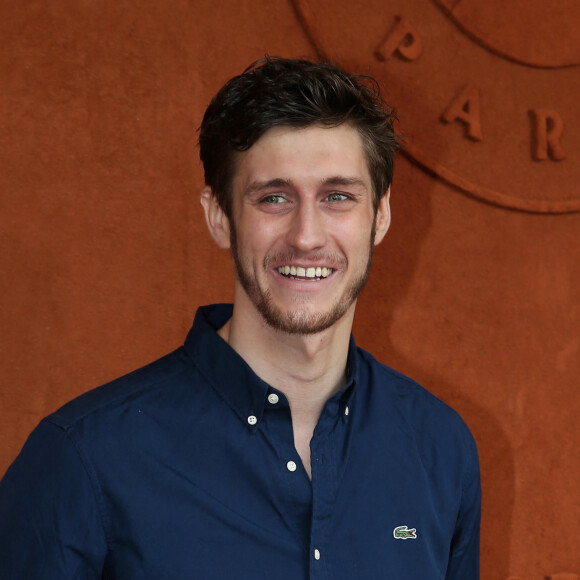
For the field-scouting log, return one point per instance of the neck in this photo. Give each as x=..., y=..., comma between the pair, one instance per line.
x=308, y=369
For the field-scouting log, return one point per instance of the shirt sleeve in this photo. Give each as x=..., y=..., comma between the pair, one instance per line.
x=50, y=524
x=464, y=556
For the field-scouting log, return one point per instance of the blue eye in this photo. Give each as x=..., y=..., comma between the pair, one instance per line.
x=336, y=197
x=273, y=199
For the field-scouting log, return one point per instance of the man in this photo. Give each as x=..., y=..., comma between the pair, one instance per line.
x=269, y=445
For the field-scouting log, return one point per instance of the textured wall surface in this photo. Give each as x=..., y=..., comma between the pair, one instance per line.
x=475, y=291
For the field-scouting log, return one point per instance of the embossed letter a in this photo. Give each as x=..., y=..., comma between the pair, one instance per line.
x=465, y=108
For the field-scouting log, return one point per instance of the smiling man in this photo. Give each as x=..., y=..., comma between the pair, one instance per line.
x=269, y=445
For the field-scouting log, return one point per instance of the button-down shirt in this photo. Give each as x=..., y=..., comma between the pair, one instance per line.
x=186, y=469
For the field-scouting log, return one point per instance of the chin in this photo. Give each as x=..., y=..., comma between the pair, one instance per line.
x=301, y=322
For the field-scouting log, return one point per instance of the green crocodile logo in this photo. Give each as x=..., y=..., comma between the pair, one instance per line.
x=404, y=533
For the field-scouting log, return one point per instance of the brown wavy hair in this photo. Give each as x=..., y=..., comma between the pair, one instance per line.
x=278, y=91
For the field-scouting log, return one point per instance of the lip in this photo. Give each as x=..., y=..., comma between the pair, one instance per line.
x=328, y=260
x=308, y=272
x=304, y=264
x=302, y=284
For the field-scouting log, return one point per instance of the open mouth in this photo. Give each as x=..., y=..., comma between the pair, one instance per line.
x=310, y=273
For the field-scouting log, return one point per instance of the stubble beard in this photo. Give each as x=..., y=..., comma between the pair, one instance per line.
x=298, y=320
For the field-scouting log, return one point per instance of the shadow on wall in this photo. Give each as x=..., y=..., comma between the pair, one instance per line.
x=395, y=267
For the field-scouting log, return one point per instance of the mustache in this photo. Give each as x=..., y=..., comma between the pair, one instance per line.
x=330, y=259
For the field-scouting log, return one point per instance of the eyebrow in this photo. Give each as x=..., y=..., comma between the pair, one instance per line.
x=259, y=186
x=341, y=180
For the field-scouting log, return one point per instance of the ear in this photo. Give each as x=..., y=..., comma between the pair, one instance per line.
x=383, y=218
x=217, y=222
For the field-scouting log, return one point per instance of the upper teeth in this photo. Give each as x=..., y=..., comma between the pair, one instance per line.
x=310, y=272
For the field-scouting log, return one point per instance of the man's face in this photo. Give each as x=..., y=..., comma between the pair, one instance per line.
x=303, y=226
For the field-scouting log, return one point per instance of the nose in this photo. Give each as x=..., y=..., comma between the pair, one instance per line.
x=307, y=230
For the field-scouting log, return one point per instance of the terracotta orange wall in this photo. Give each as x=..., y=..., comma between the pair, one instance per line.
x=475, y=292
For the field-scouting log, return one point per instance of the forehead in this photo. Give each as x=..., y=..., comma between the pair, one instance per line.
x=304, y=156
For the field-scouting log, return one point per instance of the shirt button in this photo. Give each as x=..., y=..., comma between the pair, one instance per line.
x=252, y=419
x=316, y=554
x=291, y=466
x=273, y=398
x=346, y=411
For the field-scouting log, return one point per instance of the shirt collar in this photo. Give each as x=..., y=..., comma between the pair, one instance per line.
x=230, y=375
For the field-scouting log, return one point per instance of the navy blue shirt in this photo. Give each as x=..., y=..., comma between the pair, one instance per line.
x=186, y=469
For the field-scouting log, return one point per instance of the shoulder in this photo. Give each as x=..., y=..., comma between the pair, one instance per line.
x=429, y=421
x=104, y=422
x=411, y=398
x=131, y=389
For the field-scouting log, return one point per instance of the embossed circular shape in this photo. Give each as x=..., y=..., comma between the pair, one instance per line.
x=534, y=33
x=500, y=131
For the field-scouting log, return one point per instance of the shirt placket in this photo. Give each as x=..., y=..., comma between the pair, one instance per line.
x=297, y=495
x=325, y=462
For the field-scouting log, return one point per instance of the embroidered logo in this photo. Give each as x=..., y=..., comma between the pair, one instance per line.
x=404, y=533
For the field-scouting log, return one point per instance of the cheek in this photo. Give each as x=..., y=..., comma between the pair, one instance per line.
x=252, y=249
x=263, y=238
x=355, y=239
